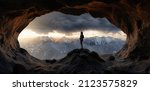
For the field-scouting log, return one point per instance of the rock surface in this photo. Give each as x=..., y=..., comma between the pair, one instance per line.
x=82, y=61
x=131, y=16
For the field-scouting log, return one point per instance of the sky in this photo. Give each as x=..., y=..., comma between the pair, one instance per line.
x=60, y=25
x=57, y=34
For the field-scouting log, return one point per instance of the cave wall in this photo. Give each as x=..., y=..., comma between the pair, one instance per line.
x=131, y=16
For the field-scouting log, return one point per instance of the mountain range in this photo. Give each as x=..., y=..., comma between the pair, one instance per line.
x=45, y=47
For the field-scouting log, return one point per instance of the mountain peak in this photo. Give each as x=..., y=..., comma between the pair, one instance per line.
x=84, y=52
x=82, y=60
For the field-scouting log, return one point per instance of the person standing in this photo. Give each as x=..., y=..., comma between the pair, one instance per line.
x=81, y=39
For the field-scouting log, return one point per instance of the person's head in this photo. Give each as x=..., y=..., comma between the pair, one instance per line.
x=81, y=32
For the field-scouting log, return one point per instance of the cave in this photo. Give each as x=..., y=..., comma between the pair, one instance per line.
x=132, y=17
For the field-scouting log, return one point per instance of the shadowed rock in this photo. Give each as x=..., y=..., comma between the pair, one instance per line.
x=132, y=17
x=82, y=61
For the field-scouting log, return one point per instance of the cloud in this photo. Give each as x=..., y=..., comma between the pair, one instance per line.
x=69, y=23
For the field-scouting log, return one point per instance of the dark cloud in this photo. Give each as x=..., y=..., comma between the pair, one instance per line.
x=69, y=23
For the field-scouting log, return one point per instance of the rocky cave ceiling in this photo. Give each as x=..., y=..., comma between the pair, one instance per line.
x=131, y=16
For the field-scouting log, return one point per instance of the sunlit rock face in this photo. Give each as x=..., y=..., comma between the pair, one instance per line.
x=131, y=16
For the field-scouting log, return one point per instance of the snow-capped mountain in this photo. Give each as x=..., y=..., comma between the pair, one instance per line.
x=49, y=48
x=104, y=45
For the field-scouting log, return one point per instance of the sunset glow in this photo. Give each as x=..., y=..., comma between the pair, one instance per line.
x=28, y=33
x=87, y=34
x=56, y=34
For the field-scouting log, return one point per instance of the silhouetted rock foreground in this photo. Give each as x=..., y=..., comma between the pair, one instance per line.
x=82, y=61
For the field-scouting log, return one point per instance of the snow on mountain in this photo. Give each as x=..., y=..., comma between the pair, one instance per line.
x=49, y=48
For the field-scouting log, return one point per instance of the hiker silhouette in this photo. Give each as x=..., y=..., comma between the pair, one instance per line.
x=81, y=39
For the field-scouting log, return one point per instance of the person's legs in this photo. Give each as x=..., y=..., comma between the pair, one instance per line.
x=81, y=42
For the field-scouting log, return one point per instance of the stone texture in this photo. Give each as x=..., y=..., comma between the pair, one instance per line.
x=131, y=16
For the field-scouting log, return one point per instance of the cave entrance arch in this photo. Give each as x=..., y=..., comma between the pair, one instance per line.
x=53, y=35
x=130, y=16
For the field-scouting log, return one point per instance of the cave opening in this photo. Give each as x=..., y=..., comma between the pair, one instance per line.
x=53, y=35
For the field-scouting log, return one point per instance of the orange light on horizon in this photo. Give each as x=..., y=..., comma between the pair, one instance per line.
x=56, y=34
x=28, y=33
